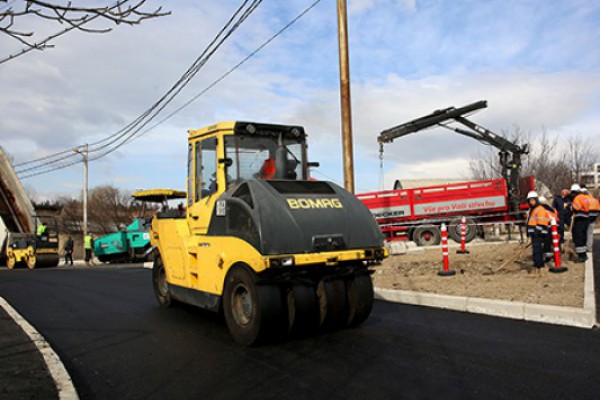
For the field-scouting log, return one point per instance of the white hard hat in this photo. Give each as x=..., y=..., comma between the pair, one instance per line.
x=531, y=195
x=543, y=199
x=585, y=190
x=575, y=187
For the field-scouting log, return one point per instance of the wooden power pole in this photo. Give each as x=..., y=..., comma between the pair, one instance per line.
x=345, y=96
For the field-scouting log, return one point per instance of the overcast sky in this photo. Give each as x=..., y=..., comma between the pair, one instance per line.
x=537, y=63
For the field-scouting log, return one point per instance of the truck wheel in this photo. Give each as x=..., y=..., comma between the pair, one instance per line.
x=454, y=229
x=427, y=235
x=360, y=298
x=253, y=312
x=161, y=286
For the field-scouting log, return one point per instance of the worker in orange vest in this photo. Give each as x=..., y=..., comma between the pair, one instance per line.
x=267, y=170
x=593, y=210
x=538, y=223
x=581, y=221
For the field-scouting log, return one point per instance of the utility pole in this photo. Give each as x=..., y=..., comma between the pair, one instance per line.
x=83, y=150
x=345, y=96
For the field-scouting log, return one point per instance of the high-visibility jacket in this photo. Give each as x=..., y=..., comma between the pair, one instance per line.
x=267, y=171
x=87, y=242
x=552, y=213
x=580, y=206
x=41, y=229
x=538, y=220
x=594, y=206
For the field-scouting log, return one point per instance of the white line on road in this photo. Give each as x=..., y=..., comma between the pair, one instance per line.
x=62, y=379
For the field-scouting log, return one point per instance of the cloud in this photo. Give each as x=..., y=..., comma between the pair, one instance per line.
x=408, y=58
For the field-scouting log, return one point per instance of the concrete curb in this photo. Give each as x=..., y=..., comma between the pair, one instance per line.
x=571, y=316
x=62, y=379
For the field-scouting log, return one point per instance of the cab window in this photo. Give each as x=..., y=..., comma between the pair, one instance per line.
x=207, y=164
x=254, y=157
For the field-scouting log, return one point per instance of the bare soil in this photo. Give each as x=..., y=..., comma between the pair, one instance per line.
x=481, y=274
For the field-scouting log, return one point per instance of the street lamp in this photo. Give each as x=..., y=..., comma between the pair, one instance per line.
x=83, y=150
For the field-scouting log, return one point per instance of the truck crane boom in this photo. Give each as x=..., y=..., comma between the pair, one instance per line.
x=510, y=153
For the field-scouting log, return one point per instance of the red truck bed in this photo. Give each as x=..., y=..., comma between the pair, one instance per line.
x=398, y=210
x=465, y=198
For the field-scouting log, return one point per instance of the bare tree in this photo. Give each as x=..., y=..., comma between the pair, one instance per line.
x=69, y=14
x=109, y=210
x=486, y=163
x=546, y=161
x=580, y=154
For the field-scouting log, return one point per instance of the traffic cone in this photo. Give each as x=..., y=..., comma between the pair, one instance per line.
x=557, y=268
x=463, y=237
x=446, y=271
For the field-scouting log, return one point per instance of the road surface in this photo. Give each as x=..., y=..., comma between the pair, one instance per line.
x=118, y=344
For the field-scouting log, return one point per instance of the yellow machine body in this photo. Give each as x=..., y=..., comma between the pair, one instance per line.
x=196, y=253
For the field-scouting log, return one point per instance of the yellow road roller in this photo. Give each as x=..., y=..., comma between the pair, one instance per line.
x=276, y=252
x=34, y=250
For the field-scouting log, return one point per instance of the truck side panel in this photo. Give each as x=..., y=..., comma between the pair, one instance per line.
x=468, y=198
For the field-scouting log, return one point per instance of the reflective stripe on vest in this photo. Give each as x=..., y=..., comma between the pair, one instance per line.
x=87, y=242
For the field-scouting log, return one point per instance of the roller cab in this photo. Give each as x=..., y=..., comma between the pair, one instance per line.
x=276, y=252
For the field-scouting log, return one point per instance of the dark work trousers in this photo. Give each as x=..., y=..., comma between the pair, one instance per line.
x=548, y=246
x=88, y=255
x=537, y=244
x=560, y=228
x=580, y=226
x=68, y=257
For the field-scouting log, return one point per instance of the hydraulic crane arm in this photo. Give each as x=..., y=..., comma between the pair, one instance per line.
x=510, y=153
x=428, y=121
x=449, y=115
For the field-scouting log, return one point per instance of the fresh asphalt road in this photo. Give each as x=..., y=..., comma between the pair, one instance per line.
x=118, y=344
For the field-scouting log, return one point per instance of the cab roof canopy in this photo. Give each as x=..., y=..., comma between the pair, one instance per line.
x=252, y=128
x=158, y=195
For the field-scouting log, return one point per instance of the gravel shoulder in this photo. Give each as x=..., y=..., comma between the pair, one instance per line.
x=481, y=274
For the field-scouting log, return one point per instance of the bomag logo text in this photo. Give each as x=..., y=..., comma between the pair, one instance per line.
x=314, y=203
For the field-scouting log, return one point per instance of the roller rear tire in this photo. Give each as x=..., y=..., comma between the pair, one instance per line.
x=160, y=284
x=303, y=309
x=360, y=299
x=11, y=262
x=333, y=303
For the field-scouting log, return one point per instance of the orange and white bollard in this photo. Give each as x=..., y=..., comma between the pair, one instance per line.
x=446, y=271
x=463, y=237
x=557, y=268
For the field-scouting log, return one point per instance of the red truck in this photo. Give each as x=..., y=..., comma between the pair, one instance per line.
x=417, y=214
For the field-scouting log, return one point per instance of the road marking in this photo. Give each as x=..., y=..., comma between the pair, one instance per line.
x=62, y=379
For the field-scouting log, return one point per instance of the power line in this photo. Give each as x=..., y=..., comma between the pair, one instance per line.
x=230, y=71
x=153, y=110
x=140, y=118
x=132, y=130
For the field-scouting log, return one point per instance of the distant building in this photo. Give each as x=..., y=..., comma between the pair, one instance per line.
x=591, y=179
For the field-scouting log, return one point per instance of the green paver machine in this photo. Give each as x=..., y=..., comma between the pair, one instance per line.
x=133, y=244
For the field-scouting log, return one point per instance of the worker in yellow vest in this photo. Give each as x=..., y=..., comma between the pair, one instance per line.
x=88, y=245
x=41, y=230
